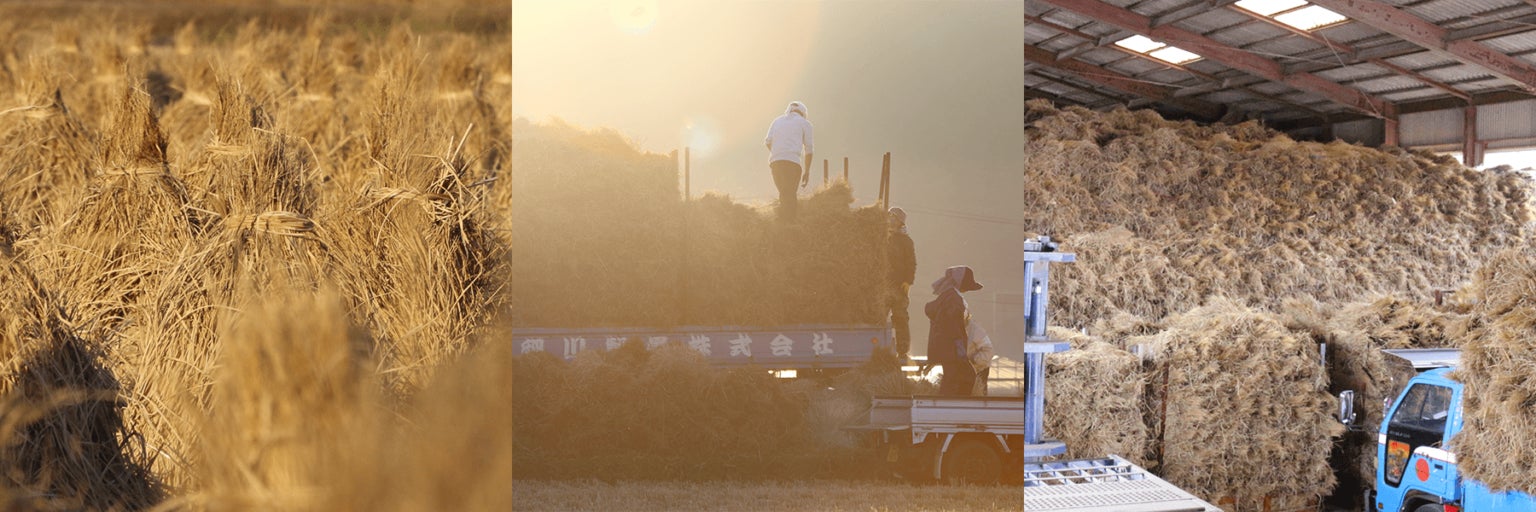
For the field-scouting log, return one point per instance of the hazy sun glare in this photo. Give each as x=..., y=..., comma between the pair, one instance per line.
x=667, y=73
x=939, y=84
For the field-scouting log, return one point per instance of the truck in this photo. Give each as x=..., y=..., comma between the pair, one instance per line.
x=1416, y=467
x=985, y=439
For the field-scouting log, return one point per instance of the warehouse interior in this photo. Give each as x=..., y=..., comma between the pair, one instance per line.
x=1451, y=76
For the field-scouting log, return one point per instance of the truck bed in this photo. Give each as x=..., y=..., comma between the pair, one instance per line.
x=1110, y=483
x=930, y=414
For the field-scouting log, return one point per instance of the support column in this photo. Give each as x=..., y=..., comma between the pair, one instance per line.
x=1471, y=155
x=1390, y=132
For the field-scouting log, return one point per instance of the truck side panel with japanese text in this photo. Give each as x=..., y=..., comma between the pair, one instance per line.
x=808, y=346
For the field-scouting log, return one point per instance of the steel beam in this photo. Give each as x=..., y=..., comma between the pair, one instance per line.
x=1119, y=82
x=1433, y=37
x=1233, y=57
x=1469, y=154
x=1037, y=93
x=1350, y=50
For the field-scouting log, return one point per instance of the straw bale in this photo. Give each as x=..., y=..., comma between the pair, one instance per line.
x=1094, y=400
x=62, y=432
x=1247, y=408
x=1165, y=214
x=290, y=397
x=1495, y=369
x=709, y=261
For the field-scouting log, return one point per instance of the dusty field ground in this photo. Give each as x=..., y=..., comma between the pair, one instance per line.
x=828, y=496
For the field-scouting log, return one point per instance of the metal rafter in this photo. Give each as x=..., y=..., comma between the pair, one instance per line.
x=1119, y=82
x=1232, y=57
x=1433, y=37
x=1350, y=50
x=1107, y=42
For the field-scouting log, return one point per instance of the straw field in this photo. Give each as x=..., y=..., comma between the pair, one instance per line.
x=1227, y=255
x=248, y=264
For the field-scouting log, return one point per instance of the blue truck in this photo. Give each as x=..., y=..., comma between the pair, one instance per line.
x=1415, y=457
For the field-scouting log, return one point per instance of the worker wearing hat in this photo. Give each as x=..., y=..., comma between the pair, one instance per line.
x=902, y=260
x=948, y=339
x=790, y=145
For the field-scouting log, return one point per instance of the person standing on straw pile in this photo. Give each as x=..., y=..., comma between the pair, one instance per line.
x=902, y=258
x=788, y=137
x=948, y=339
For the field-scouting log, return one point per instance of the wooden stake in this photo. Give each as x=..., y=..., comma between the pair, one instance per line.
x=824, y=179
x=885, y=181
x=845, y=169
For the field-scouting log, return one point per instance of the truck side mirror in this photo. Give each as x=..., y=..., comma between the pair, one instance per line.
x=1347, y=407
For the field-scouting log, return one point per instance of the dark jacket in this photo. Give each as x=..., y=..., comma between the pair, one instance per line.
x=946, y=327
x=902, y=258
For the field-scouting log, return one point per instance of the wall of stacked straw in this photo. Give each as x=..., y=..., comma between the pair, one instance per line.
x=1496, y=367
x=234, y=262
x=1164, y=214
x=1228, y=253
x=588, y=200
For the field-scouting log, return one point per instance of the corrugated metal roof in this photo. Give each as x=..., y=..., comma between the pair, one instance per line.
x=1230, y=27
x=1351, y=72
x=1347, y=32
x=1287, y=46
x=1457, y=73
x=1211, y=20
x=1227, y=97
x=1513, y=43
x=1445, y=10
x=1135, y=66
x=1388, y=84
x=1154, y=7
x=1422, y=60
x=1411, y=95
x=1167, y=76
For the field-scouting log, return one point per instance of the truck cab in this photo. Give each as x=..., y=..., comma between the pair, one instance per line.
x=1416, y=467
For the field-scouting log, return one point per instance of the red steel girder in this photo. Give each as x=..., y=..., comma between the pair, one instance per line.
x=1433, y=37
x=1232, y=57
x=1119, y=82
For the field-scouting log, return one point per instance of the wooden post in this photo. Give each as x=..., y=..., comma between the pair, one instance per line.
x=885, y=180
x=881, y=189
x=824, y=179
x=1391, y=133
x=687, y=174
x=845, y=169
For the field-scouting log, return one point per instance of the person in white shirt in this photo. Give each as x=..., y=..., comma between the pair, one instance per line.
x=788, y=137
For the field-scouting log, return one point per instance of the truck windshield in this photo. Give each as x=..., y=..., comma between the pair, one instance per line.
x=1424, y=408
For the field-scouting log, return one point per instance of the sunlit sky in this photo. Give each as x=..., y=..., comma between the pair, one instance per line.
x=938, y=84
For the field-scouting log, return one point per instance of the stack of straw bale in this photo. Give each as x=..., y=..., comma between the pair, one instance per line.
x=1496, y=368
x=587, y=199
x=1095, y=399
x=1247, y=408
x=1164, y=214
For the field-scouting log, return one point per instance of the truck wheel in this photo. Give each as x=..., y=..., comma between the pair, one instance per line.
x=1429, y=507
x=972, y=461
